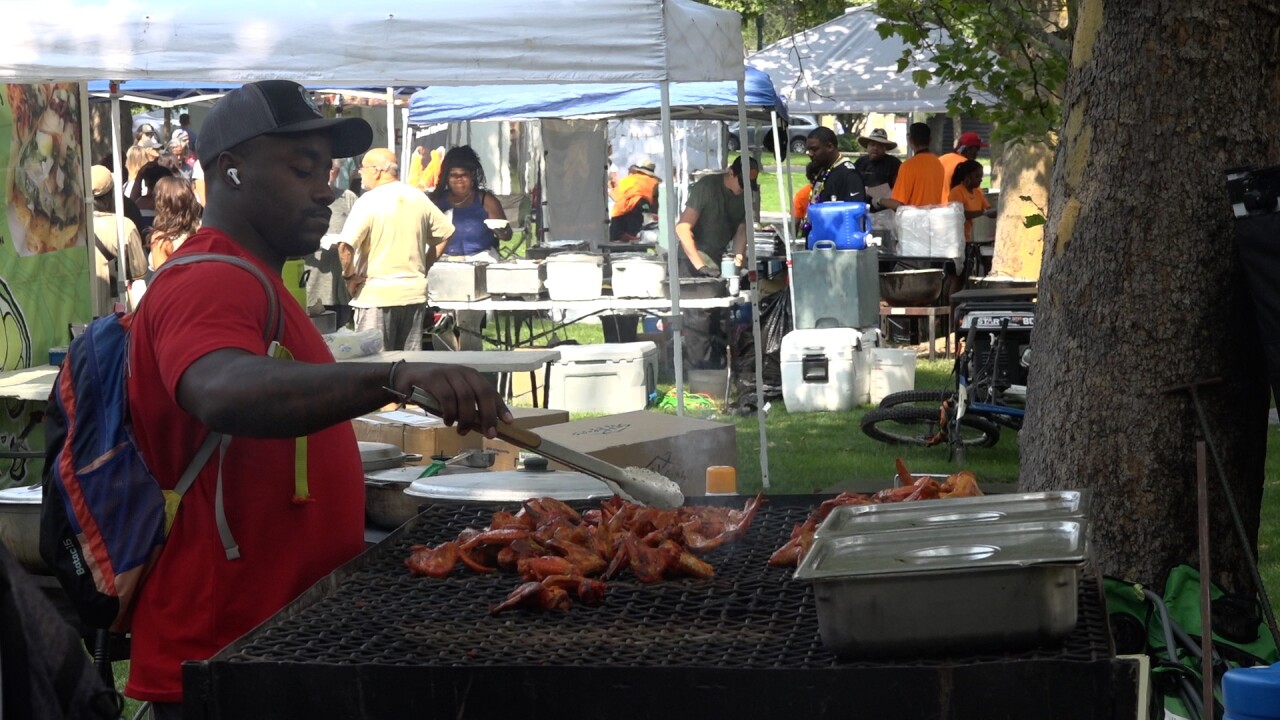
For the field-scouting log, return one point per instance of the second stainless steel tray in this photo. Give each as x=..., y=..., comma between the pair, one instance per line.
x=857, y=519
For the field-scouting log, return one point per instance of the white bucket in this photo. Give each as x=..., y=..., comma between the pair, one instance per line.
x=892, y=370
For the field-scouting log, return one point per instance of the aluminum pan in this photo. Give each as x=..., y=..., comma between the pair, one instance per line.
x=859, y=519
x=936, y=550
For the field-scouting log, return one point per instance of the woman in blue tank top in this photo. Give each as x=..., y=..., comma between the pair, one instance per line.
x=462, y=196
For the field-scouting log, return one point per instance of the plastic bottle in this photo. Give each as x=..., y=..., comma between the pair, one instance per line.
x=722, y=480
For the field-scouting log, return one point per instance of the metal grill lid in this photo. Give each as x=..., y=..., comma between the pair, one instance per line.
x=959, y=547
x=858, y=519
x=409, y=473
x=509, y=486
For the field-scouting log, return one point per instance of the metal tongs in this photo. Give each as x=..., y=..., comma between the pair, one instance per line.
x=659, y=492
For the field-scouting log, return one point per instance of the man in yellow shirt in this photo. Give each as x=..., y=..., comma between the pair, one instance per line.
x=920, y=178
x=396, y=233
x=967, y=147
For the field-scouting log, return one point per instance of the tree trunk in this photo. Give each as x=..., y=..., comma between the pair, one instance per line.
x=1024, y=172
x=100, y=130
x=1141, y=286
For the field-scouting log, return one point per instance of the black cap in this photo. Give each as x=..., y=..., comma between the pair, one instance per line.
x=275, y=107
x=736, y=169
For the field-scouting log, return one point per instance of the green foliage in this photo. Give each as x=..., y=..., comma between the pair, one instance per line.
x=782, y=18
x=1007, y=58
x=1035, y=219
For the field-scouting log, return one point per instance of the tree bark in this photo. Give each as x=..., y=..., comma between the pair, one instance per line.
x=1141, y=286
x=1024, y=172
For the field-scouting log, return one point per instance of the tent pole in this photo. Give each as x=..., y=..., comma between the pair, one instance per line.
x=785, y=169
x=391, y=120
x=754, y=293
x=117, y=194
x=673, y=245
x=406, y=153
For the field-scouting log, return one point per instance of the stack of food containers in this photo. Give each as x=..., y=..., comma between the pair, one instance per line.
x=943, y=577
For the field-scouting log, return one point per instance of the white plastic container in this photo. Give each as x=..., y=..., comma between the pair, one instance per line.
x=522, y=278
x=892, y=370
x=608, y=378
x=946, y=232
x=870, y=339
x=819, y=369
x=574, y=276
x=638, y=277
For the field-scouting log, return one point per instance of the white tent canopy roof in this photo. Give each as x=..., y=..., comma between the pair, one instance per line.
x=389, y=42
x=844, y=66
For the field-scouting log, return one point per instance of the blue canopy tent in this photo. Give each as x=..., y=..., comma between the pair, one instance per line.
x=689, y=101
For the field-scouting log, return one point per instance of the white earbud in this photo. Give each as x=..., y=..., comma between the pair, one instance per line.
x=234, y=176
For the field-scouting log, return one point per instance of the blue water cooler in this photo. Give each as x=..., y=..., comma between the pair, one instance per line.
x=839, y=225
x=1251, y=693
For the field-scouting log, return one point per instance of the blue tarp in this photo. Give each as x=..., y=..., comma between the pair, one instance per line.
x=694, y=100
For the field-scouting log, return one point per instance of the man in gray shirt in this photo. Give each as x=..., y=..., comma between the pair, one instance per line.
x=325, y=285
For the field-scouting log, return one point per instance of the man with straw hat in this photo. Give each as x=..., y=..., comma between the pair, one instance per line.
x=878, y=167
x=635, y=195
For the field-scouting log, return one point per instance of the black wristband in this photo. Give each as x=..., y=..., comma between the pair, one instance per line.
x=391, y=377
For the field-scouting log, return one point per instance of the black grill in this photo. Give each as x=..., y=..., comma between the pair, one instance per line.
x=431, y=643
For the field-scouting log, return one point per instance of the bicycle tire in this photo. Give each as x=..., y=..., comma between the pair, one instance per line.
x=913, y=397
x=909, y=425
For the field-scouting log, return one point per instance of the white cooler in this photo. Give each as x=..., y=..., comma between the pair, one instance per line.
x=608, y=378
x=823, y=370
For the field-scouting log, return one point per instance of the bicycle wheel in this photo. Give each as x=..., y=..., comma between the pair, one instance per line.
x=929, y=398
x=908, y=425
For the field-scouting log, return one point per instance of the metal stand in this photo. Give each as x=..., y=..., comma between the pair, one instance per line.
x=1193, y=389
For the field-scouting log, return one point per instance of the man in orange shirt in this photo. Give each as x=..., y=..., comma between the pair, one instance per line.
x=920, y=178
x=635, y=195
x=967, y=147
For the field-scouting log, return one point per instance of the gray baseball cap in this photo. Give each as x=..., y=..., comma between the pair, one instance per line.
x=275, y=107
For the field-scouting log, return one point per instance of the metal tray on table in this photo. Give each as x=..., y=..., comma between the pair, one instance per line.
x=859, y=519
x=997, y=586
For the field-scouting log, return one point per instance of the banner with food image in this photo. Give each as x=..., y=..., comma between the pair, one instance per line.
x=44, y=263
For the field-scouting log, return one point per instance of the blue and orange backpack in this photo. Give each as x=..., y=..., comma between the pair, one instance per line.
x=104, y=518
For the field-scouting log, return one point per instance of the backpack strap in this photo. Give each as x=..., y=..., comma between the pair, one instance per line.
x=273, y=334
x=275, y=313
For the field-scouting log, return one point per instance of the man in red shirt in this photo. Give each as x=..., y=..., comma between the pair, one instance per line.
x=290, y=479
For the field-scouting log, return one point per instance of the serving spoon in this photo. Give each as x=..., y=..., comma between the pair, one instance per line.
x=639, y=485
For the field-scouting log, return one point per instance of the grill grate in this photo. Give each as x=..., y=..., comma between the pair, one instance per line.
x=750, y=616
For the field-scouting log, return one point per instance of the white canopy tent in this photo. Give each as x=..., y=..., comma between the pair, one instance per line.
x=383, y=43
x=844, y=66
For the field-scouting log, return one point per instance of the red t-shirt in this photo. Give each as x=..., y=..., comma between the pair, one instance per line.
x=195, y=601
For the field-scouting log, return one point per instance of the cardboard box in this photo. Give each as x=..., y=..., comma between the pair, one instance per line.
x=506, y=455
x=681, y=448
x=414, y=431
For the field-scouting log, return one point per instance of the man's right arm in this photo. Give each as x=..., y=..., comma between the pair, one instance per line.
x=238, y=393
x=684, y=231
x=355, y=236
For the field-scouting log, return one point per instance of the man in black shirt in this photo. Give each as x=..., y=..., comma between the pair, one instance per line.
x=838, y=180
x=878, y=167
